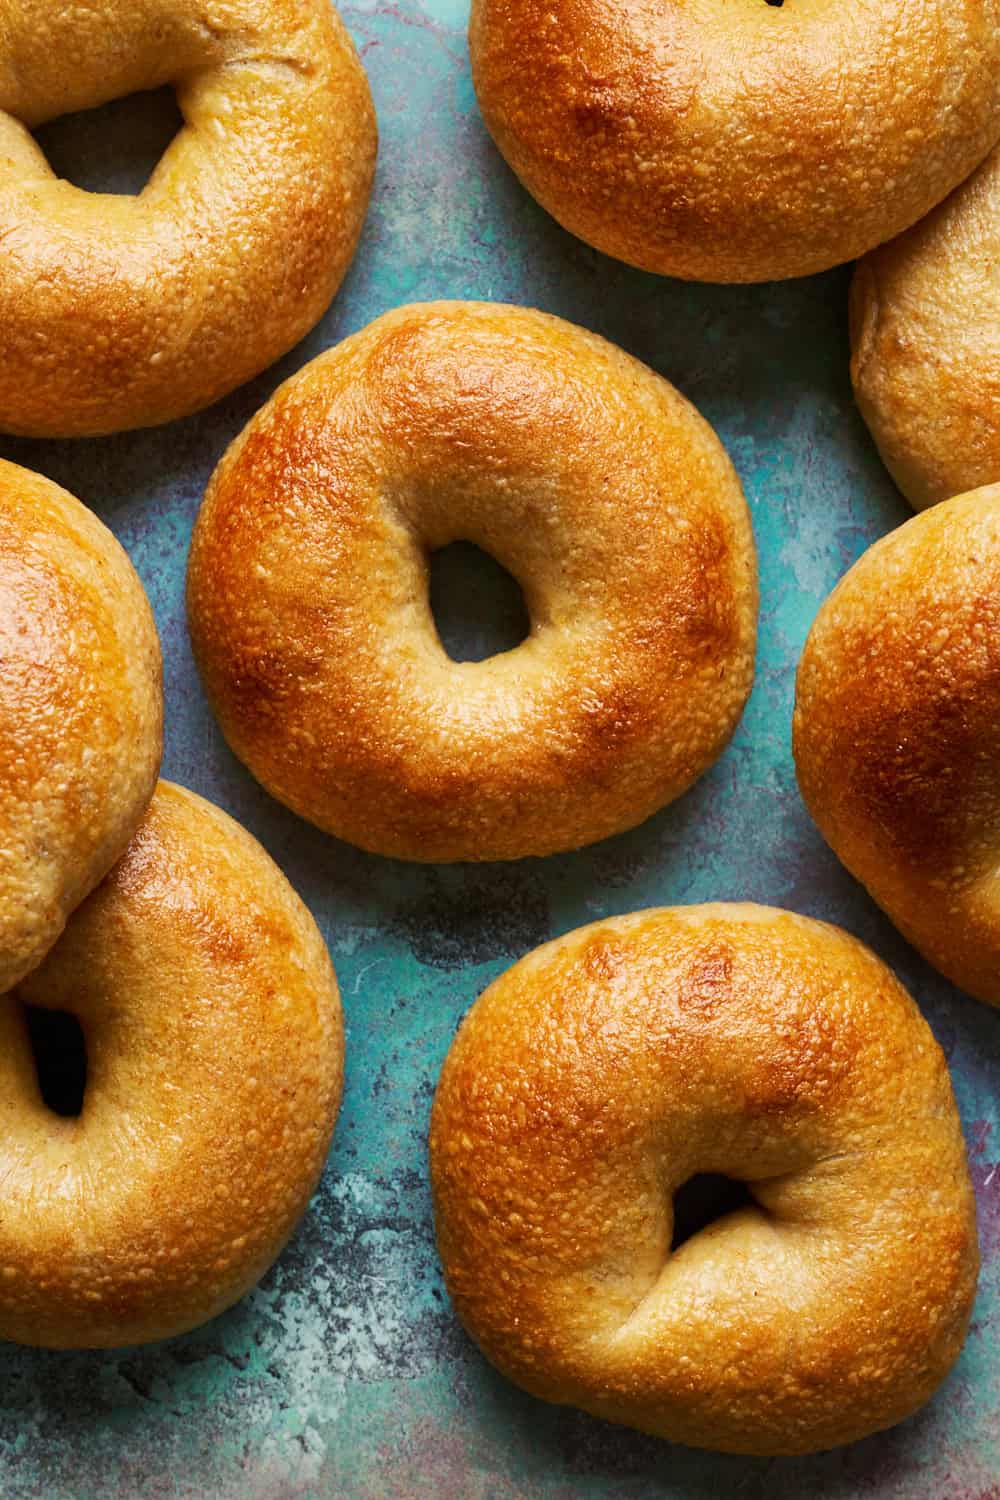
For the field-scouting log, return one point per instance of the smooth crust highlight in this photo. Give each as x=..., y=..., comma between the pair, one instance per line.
x=587, y=476
x=81, y=710
x=742, y=142
x=120, y=312
x=897, y=732
x=215, y=1055
x=606, y=1069
x=925, y=336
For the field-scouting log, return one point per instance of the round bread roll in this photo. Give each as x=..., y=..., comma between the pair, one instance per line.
x=214, y=1063
x=584, y=474
x=897, y=732
x=925, y=333
x=120, y=312
x=608, y=1068
x=81, y=711
x=738, y=143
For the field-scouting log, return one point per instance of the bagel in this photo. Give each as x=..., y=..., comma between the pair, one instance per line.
x=925, y=335
x=897, y=732
x=585, y=475
x=214, y=1051
x=609, y=1067
x=120, y=312
x=738, y=143
x=81, y=711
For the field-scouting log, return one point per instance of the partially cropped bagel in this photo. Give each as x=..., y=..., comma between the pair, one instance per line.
x=925, y=330
x=609, y=1067
x=81, y=710
x=897, y=732
x=119, y=312
x=214, y=1056
x=743, y=142
x=587, y=476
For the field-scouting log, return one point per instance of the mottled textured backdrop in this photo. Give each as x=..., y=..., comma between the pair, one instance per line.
x=345, y=1374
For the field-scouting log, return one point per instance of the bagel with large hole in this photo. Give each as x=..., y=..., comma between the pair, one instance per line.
x=925, y=331
x=587, y=476
x=120, y=312
x=741, y=142
x=214, y=1059
x=897, y=732
x=596, y=1077
x=81, y=710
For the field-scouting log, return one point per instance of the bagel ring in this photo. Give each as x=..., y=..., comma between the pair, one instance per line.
x=925, y=335
x=81, y=710
x=738, y=143
x=600, y=1073
x=897, y=732
x=120, y=312
x=587, y=476
x=214, y=1052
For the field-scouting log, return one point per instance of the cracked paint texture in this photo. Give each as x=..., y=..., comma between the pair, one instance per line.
x=345, y=1373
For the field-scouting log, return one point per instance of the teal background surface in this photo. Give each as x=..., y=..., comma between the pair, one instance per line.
x=345, y=1373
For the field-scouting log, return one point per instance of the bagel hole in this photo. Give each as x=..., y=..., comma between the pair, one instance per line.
x=478, y=607
x=115, y=148
x=703, y=1200
x=60, y=1053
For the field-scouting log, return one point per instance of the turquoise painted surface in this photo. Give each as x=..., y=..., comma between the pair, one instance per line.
x=345, y=1373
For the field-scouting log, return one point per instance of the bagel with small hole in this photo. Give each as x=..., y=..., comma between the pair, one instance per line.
x=610, y=1067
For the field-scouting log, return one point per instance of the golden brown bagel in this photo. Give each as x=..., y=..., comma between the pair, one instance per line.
x=738, y=142
x=215, y=1050
x=81, y=710
x=925, y=331
x=606, y=1069
x=586, y=475
x=120, y=312
x=897, y=732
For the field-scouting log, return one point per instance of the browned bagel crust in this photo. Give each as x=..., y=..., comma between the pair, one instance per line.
x=120, y=312
x=586, y=475
x=925, y=335
x=897, y=732
x=604, y=1070
x=81, y=710
x=741, y=142
x=215, y=1053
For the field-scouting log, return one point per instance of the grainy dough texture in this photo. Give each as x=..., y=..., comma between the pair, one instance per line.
x=739, y=142
x=925, y=334
x=586, y=475
x=897, y=732
x=215, y=1058
x=121, y=312
x=607, y=1068
x=81, y=710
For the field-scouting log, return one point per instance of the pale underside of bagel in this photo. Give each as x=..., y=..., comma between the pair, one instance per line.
x=925, y=334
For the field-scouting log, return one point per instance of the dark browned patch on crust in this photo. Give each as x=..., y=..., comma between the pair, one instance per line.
x=707, y=981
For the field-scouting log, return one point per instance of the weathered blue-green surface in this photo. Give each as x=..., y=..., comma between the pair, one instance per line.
x=345, y=1374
